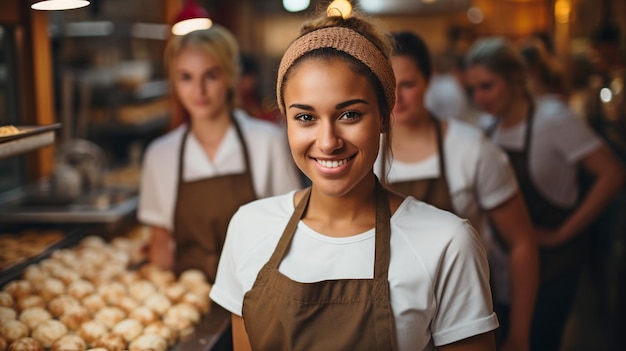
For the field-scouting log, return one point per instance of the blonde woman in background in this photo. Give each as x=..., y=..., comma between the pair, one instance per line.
x=196, y=176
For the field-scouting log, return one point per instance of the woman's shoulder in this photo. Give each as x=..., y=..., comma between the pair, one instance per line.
x=255, y=126
x=414, y=213
x=168, y=140
x=267, y=208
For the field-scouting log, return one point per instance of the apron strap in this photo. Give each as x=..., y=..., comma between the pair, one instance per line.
x=290, y=229
x=181, y=156
x=382, y=234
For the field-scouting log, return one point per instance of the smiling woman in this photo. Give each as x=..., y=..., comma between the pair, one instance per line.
x=347, y=264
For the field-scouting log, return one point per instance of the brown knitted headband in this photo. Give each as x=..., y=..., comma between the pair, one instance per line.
x=348, y=41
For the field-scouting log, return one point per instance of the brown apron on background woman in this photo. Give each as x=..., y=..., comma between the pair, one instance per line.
x=560, y=266
x=433, y=191
x=345, y=314
x=203, y=210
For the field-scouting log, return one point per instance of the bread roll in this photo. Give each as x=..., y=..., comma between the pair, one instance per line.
x=59, y=304
x=51, y=288
x=69, y=342
x=90, y=331
x=93, y=303
x=33, y=316
x=128, y=328
x=75, y=316
x=47, y=332
x=28, y=301
x=26, y=344
x=148, y=342
x=80, y=288
x=144, y=315
x=13, y=330
x=110, y=316
x=6, y=300
x=7, y=314
x=111, y=342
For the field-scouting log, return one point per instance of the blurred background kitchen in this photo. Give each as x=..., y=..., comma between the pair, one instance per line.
x=95, y=74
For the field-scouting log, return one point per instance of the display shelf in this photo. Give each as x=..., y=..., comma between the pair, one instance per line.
x=30, y=138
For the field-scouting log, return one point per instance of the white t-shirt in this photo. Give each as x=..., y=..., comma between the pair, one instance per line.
x=272, y=167
x=479, y=175
x=445, y=97
x=438, y=273
x=559, y=141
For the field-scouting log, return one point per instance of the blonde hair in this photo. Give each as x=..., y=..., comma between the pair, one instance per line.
x=217, y=42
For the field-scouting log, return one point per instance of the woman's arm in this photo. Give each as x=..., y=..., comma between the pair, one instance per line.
x=240, y=336
x=480, y=342
x=161, y=251
x=513, y=222
x=609, y=175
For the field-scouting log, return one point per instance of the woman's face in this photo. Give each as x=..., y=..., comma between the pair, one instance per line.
x=333, y=124
x=200, y=83
x=491, y=91
x=410, y=89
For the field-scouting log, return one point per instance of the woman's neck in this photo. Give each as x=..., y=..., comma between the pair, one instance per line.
x=414, y=140
x=342, y=216
x=517, y=112
x=211, y=131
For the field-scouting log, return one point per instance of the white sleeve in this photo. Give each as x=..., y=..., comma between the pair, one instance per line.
x=228, y=290
x=576, y=140
x=152, y=209
x=462, y=291
x=495, y=178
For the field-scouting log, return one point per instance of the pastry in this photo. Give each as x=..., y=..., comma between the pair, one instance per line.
x=28, y=301
x=140, y=290
x=47, y=332
x=33, y=316
x=7, y=314
x=80, y=288
x=51, y=288
x=69, y=342
x=148, y=342
x=19, y=288
x=111, y=342
x=127, y=277
x=127, y=304
x=158, y=303
x=181, y=325
x=6, y=300
x=191, y=277
x=175, y=292
x=109, y=316
x=92, y=330
x=35, y=274
x=184, y=310
x=143, y=314
x=129, y=329
x=112, y=291
x=26, y=344
x=159, y=328
x=75, y=316
x=61, y=303
x=13, y=330
x=202, y=303
x=93, y=302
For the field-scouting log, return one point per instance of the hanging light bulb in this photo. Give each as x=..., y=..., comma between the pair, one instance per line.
x=56, y=5
x=339, y=8
x=191, y=17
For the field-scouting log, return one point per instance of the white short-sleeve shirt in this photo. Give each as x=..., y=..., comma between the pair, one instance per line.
x=479, y=174
x=272, y=167
x=559, y=141
x=438, y=272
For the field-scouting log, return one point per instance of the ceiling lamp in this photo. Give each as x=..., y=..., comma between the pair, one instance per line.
x=56, y=5
x=191, y=17
x=339, y=8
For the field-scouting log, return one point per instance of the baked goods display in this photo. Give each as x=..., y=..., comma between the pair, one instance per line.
x=89, y=297
x=8, y=130
x=18, y=247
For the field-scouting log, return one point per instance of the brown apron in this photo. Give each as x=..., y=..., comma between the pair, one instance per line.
x=345, y=314
x=433, y=191
x=203, y=209
x=544, y=215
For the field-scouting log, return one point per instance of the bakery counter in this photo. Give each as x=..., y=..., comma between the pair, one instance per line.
x=100, y=292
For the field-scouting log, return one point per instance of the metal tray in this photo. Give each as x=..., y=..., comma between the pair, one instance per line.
x=29, y=138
